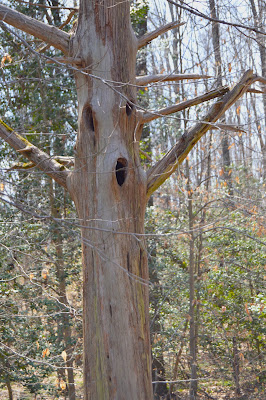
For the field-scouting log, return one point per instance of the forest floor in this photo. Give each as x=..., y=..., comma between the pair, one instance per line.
x=251, y=390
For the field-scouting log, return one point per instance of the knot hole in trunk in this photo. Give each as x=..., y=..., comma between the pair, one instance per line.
x=121, y=171
x=129, y=108
x=88, y=118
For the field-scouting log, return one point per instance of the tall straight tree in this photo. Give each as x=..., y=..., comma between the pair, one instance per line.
x=109, y=187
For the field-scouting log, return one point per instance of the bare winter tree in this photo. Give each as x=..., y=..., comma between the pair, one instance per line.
x=109, y=187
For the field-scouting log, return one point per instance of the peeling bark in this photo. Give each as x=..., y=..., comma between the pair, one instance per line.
x=108, y=186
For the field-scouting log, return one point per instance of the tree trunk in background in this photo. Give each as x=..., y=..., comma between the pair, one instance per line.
x=218, y=62
x=109, y=190
x=158, y=368
x=9, y=388
x=236, y=366
x=64, y=331
x=261, y=42
x=192, y=327
x=178, y=357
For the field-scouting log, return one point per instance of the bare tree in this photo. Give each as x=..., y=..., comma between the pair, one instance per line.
x=109, y=187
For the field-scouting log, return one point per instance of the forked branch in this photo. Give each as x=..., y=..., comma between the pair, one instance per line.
x=148, y=37
x=147, y=79
x=164, y=168
x=38, y=157
x=150, y=116
x=47, y=33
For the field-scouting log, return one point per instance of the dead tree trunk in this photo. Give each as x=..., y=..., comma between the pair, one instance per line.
x=109, y=190
x=218, y=63
x=109, y=187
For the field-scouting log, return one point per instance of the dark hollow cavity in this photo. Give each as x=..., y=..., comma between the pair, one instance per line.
x=129, y=108
x=88, y=118
x=121, y=171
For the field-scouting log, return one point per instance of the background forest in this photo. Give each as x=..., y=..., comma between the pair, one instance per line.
x=205, y=227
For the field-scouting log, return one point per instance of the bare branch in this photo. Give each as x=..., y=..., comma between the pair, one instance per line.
x=43, y=47
x=22, y=166
x=147, y=79
x=47, y=33
x=260, y=79
x=164, y=168
x=228, y=127
x=39, y=158
x=252, y=90
x=67, y=161
x=194, y=11
x=148, y=37
x=145, y=155
x=66, y=60
x=150, y=116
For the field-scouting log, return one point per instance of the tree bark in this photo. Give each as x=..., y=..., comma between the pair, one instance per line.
x=9, y=388
x=109, y=190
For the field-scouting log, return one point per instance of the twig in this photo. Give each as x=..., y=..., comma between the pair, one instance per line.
x=145, y=155
x=147, y=79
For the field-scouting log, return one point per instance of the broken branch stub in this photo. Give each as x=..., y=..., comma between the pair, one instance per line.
x=38, y=157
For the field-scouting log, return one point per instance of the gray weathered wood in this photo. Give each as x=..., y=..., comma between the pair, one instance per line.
x=47, y=33
x=115, y=296
x=148, y=37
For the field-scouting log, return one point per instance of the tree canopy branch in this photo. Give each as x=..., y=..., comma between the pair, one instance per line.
x=147, y=79
x=148, y=37
x=47, y=33
x=38, y=157
x=164, y=168
x=194, y=11
x=150, y=116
